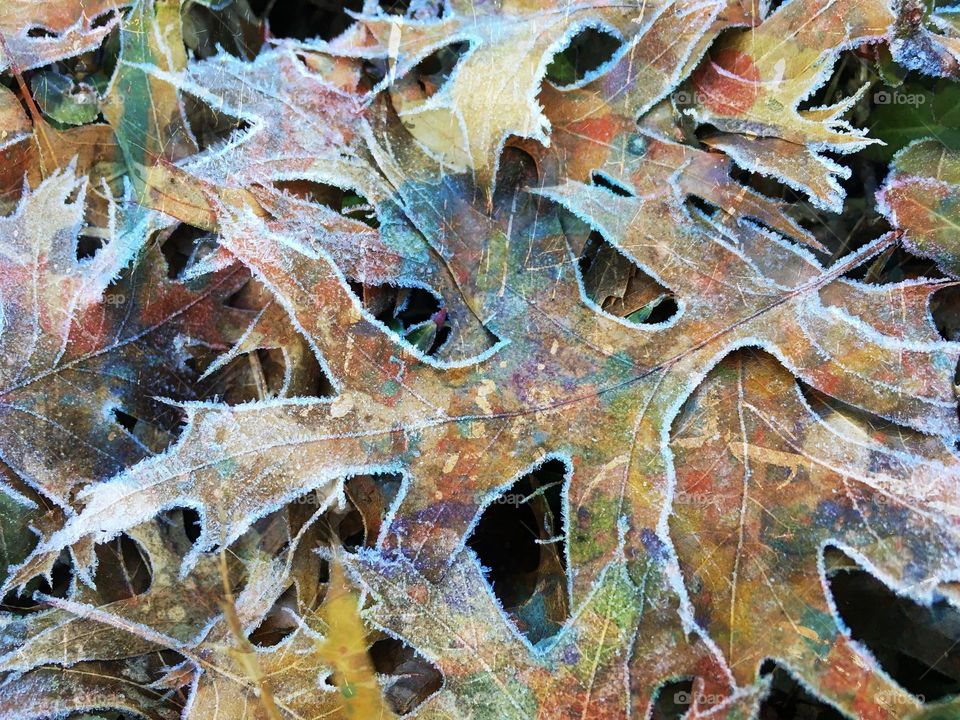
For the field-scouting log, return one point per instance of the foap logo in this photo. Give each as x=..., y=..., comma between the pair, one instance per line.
x=686, y=697
x=895, y=97
x=515, y=499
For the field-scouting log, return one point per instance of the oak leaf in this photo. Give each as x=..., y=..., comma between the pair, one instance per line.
x=730, y=396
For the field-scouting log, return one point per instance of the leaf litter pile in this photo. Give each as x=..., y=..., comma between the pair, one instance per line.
x=479, y=359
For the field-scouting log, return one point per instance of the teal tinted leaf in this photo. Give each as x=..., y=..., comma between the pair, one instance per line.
x=64, y=100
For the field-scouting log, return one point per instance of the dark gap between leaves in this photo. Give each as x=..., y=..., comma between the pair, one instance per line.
x=621, y=288
x=919, y=647
x=411, y=678
x=521, y=540
x=304, y=19
x=601, y=180
x=789, y=700
x=61, y=578
x=587, y=51
x=414, y=313
x=672, y=700
x=210, y=127
x=182, y=246
x=433, y=71
x=123, y=569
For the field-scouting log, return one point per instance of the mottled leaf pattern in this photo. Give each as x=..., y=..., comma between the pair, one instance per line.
x=284, y=322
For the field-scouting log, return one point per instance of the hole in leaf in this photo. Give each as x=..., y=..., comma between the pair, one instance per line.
x=589, y=50
x=210, y=127
x=520, y=539
x=87, y=246
x=945, y=308
x=182, y=246
x=917, y=646
x=123, y=569
x=346, y=202
x=516, y=172
x=125, y=420
x=673, y=700
x=350, y=529
x=180, y=528
x=411, y=678
x=371, y=496
x=261, y=374
x=40, y=32
x=431, y=73
x=190, y=519
x=620, y=287
x=413, y=313
x=603, y=181
x=303, y=19
x=661, y=312
x=788, y=700
x=278, y=623
x=356, y=206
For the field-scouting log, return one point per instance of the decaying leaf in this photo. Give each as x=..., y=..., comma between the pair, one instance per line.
x=36, y=34
x=79, y=335
x=922, y=198
x=305, y=326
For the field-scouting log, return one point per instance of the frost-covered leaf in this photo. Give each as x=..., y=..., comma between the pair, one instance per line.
x=817, y=323
x=180, y=609
x=390, y=278
x=141, y=103
x=753, y=81
x=79, y=335
x=764, y=482
x=457, y=122
x=489, y=669
x=44, y=693
x=922, y=198
x=36, y=34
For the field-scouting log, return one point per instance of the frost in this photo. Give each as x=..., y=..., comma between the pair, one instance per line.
x=223, y=368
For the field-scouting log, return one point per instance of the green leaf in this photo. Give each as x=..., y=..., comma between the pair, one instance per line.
x=422, y=335
x=63, y=100
x=912, y=112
